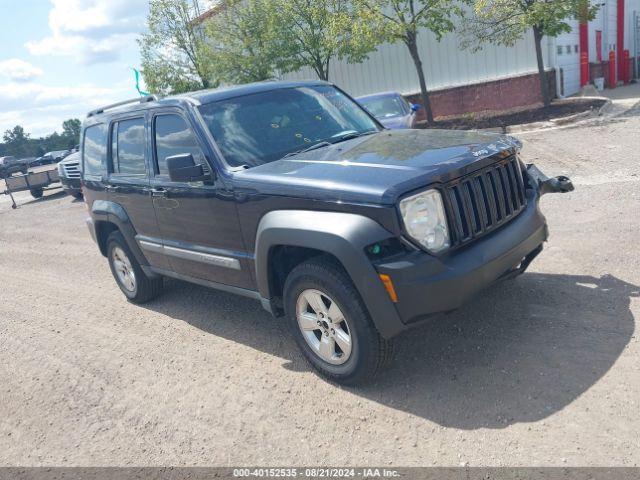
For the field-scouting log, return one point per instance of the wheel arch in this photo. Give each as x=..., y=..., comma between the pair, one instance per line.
x=110, y=216
x=341, y=236
x=282, y=259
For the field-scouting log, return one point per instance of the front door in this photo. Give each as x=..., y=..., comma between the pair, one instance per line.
x=128, y=180
x=198, y=221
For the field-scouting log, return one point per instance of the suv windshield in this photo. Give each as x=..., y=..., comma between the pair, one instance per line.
x=384, y=107
x=263, y=127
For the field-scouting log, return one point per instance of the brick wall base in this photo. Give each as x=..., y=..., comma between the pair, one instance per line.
x=496, y=95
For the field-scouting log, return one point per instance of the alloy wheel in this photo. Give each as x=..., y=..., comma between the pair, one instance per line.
x=124, y=270
x=324, y=326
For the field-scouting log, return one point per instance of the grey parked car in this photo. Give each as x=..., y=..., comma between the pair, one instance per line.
x=69, y=173
x=391, y=109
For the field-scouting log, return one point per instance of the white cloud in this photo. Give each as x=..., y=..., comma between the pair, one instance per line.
x=18, y=70
x=41, y=109
x=93, y=31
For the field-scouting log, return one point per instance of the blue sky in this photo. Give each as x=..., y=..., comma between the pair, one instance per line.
x=60, y=58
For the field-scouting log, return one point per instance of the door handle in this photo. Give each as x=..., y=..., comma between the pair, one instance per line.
x=111, y=188
x=158, y=192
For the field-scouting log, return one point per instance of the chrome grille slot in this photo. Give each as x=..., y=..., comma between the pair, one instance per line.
x=71, y=170
x=485, y=200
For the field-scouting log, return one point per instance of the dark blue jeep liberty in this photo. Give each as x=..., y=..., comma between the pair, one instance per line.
x=292, y=194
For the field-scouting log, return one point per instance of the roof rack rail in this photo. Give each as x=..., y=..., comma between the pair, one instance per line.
x=146, y=99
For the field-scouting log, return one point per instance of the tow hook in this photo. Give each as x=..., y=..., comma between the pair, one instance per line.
x=560, y=184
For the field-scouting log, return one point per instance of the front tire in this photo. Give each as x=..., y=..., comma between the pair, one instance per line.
x=133, y=282
x=331, y=324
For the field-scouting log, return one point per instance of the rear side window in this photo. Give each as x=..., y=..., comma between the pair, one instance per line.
x=128, y=145
x=174, y=137
x=94, y=150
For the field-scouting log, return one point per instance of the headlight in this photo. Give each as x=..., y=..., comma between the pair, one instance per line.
x=60, y=170
x=424, y=219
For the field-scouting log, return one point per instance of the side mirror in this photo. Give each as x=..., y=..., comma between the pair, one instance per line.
x=183, y=168
x=415, y=107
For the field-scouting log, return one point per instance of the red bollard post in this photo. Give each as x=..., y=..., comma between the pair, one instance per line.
x=612, y=69
x=627, y=70
x=584, y=69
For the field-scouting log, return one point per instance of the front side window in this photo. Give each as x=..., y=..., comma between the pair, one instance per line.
x=385, y=107
x=128, y=145
x=263, y=127
x=94, y=149
x=174, y=137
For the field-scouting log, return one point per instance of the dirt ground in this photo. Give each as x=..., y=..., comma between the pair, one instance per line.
x=558, y=109
x=544, y=370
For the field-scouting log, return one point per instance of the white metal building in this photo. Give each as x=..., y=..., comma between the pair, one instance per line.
x=448, y=66
x=495, y=77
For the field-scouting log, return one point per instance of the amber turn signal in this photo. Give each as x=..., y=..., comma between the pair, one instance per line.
x=388, y=284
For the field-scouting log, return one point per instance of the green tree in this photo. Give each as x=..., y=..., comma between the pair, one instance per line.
x=402, y=20
x=175, y=56
x=242, y=38
x=71, y=131
x=16, y=142
x=504, y=22
x=310, y=33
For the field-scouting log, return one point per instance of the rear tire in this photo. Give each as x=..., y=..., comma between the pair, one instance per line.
x=348, y=362
x=129, y=276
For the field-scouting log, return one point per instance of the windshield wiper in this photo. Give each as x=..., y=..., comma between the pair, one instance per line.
x=350, y=135
x=325, y=143
x=308, y=149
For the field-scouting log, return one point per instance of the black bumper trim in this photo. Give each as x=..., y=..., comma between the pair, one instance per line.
x=429, y=286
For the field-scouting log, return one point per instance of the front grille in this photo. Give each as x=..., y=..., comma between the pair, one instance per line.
x=71, y=170
x=484, y=200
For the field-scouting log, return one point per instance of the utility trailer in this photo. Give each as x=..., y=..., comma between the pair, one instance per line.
x=34, y=182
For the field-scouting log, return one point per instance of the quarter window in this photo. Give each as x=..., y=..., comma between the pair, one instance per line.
x=128, y=144
x=174, y=137
x=94, y=149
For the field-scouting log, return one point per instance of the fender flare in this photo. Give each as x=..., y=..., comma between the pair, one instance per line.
x=112, y=212
x=343, y=235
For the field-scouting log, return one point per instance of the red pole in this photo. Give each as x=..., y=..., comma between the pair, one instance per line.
x=620, y=45
x=612, y=69
x=584, y=54
x=627, y=68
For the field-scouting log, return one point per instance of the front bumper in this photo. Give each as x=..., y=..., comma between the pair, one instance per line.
x=427, y=285
x=71, y=185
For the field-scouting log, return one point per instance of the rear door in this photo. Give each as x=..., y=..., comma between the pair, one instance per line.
x=198, y=220
x=128, y=180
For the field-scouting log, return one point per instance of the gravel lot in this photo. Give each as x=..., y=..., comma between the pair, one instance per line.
x=544, y=370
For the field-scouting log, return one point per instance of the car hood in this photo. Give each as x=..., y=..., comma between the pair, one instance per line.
x=402, y=121
x=378, y=168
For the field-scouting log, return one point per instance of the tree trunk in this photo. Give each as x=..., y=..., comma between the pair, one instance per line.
x=544, y=84
x=321, y=71
x=424, y=93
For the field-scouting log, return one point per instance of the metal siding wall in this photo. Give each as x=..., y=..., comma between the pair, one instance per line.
x=569, y=61
x=597, y=24
x=445, y=63
x=612, y=27
x=632, y=10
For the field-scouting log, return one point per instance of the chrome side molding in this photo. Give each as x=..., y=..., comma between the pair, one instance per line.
x=192, y=255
